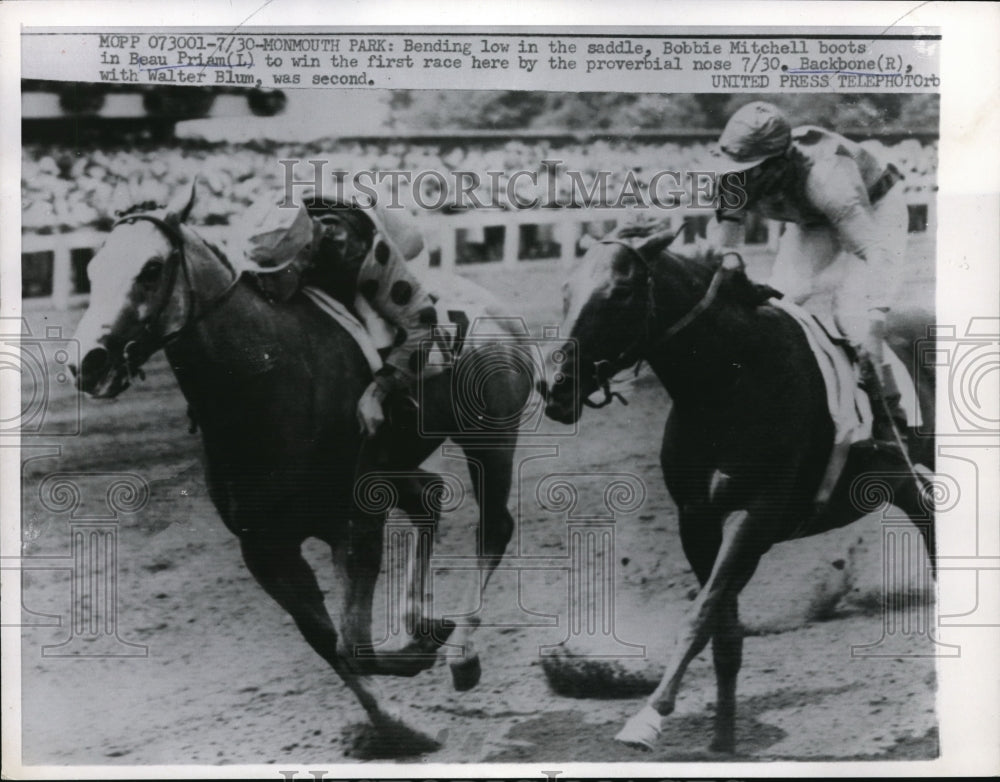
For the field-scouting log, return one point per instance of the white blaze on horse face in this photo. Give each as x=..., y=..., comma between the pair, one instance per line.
x=112, y=273
x=591, y=276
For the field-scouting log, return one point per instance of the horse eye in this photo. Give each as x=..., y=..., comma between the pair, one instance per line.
x=150, y=272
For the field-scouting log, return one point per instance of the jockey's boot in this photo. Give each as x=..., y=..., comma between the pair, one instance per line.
x=889, y=424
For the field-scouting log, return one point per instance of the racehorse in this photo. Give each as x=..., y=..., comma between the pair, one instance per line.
x=747, y=439
x=274, y=389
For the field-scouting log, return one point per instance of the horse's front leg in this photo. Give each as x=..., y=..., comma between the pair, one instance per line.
x=356, y=568
x=735, y=562
x=284, y=574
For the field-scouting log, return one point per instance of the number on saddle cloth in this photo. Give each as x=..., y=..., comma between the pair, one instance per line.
x=451, y=340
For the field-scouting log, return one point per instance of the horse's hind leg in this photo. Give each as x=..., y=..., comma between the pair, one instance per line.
x=419, y=502
x=356, y=565
x=379, y=477
x=420, y=495
x=916, y=501
x=491, y=470
x=284, y=574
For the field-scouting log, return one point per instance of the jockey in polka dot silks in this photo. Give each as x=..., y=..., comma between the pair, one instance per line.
x=346, y=249
x=839, y=204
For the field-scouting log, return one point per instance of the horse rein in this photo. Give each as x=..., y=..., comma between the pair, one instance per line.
x=604, y=370
x=176, y=264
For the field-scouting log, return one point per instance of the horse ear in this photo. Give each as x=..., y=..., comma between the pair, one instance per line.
x=180, y=209
x=656, y=242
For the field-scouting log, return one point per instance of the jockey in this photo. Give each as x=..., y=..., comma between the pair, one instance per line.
x=352, y=249
x=835, y=198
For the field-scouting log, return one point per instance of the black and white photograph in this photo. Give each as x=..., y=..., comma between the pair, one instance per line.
x=461, y=396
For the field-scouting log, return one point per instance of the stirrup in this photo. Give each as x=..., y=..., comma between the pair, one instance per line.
x=874, y=445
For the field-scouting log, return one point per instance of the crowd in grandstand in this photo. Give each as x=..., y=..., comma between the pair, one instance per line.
x=66, y=188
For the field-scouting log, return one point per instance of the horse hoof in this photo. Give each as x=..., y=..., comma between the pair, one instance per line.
x=642, y=729
x=722, y=747
x=466, y=674
x=440, y=631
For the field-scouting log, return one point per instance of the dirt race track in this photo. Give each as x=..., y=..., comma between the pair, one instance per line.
x=226, y=677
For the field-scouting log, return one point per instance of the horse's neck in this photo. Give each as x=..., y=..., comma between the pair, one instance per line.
x=227, y=339
x=211, y=273
x=697, y=363
x=679, y=283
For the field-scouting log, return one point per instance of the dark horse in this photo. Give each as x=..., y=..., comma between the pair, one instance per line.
x=274, y=388
x=747, y=440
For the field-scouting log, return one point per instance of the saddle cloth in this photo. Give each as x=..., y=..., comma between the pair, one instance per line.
x=464, y=310
x=849, y=405
x=351, y=324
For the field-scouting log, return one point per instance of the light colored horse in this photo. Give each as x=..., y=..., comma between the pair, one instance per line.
x=274, y=388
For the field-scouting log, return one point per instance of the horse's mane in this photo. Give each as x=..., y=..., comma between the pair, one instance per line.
x=737, y=288
x=152, y=206
x=215, y=249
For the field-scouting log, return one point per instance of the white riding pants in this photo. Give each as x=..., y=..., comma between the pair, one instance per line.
x=813, y=270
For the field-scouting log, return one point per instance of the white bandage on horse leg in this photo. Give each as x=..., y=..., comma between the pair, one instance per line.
x=642, y=729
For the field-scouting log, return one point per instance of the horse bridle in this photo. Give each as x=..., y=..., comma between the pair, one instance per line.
x=174, y=266
x=605, y=369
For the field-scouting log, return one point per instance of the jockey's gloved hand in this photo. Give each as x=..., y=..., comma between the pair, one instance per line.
x=872, y=347
x=370, y=413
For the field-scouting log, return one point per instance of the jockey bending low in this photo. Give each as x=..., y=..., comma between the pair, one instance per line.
x=365, y=255
x=838, y=201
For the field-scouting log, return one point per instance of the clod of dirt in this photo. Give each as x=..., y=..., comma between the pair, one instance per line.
x=587, y=677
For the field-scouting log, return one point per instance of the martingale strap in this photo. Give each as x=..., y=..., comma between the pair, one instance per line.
x=706, y=301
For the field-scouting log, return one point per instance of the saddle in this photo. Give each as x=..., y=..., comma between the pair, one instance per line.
x=466, y=313
x=277, y=283
x=848, y=402
x=463, y=310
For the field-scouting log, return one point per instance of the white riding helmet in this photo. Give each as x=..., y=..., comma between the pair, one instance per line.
x=273, y=234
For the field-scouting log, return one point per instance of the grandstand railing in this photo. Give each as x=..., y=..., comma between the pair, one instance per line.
x=450, y=238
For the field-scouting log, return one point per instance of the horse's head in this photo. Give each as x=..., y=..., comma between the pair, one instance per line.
x=605, y=310
x=136, y=303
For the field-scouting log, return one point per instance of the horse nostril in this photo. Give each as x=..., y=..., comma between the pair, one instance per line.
x=95, y=364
